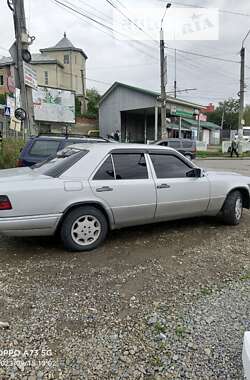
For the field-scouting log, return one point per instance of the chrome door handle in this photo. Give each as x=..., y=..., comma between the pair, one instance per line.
x=163, y=186
x=104, y=188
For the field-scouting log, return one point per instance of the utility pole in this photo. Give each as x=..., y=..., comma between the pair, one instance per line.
x=242, y=87
x=175, y=74
x=163, y=72
x=21, y=50
x=83, y=92
x=242, y=91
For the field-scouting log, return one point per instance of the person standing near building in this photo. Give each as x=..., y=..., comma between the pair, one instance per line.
x=235, y=147
x=117, y=135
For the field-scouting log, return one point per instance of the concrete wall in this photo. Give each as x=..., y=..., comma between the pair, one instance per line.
x=121, y=99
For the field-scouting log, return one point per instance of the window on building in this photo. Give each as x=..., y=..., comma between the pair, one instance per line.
x=1, y=80
x=167, y=166
x=130, y=166
x=66, y=59
x=75, y=59
x=46, y=77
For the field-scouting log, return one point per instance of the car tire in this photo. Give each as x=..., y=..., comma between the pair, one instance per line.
x=233, y=208
x=189, y=156
x=84, y=229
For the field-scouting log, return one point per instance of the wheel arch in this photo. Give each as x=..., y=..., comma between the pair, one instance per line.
x=108, y=214
x=245, y=196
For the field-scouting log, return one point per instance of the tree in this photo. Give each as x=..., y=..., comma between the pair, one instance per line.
x=247, y=115
x=93, y=97
x=230, y=109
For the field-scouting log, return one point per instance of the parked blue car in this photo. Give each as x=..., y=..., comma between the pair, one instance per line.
x=41, y=147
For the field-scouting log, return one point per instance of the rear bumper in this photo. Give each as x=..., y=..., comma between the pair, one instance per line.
x=37, y=225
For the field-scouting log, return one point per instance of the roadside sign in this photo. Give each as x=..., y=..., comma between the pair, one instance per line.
x=30, y=76
x=11, y=104
x=7, y=111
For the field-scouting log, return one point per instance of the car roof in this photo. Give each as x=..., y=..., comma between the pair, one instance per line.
x=45, y=137
x=107, y=147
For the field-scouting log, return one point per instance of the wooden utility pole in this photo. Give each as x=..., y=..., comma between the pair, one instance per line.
x=242, y=92
x=242, y=87
x=163, y=72
x=21, y=46
x=163, y=89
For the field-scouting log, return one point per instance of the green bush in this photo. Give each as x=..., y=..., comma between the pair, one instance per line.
x=9, y=152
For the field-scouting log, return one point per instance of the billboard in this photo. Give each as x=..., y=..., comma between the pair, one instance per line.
x=54, y=105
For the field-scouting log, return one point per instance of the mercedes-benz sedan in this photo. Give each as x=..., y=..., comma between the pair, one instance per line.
x=89, y=189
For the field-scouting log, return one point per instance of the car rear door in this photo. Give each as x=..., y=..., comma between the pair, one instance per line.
x=125, y=183
x=177, y=194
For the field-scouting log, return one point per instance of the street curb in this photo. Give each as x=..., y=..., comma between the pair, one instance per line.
x=223, y=159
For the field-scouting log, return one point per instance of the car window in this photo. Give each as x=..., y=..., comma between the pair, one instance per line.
x=174, y=144
x=164, y=143
x=168, y=166
x=56, y=166
x=106, y=171
x=130, y=166
x=187, y=144
x=44, y=148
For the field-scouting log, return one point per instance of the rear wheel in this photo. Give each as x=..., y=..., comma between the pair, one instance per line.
x=233, y=208
x=84, y=229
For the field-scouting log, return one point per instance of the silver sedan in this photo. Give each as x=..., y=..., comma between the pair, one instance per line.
x=88, y=190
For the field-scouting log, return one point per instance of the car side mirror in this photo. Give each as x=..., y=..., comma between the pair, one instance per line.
x=195, y=173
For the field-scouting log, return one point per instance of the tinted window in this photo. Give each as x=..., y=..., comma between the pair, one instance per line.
x=44, y=148
x=130, y=166
x=167, y=166
x=174, y=144
x=106, y=171
x=58, y=165
x=187, y=144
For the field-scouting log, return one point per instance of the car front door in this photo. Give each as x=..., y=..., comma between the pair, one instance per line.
x=124, y=182
x=177, y=194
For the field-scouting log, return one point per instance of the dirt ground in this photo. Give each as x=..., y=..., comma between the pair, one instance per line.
x=84, y=316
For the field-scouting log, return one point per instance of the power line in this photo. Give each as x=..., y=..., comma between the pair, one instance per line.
x=69, y=7
x=203, y=55
x=129, y=19
x=220, y=10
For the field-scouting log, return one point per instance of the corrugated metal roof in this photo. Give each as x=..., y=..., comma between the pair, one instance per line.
x=36, y=59
x=171, y=99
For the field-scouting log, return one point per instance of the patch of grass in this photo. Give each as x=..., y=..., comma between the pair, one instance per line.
x=9, y=152
x=245, y=277
x=207, y=153
x=156, y=361
x=206, y=291
x=159, y=328
x=180, y=331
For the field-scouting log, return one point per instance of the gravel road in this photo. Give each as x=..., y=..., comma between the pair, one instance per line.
x=165, y=301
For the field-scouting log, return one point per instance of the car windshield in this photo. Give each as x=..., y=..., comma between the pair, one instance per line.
x=55, y=166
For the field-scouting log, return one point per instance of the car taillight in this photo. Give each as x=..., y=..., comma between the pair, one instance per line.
x=5, y=203
x=19, y=163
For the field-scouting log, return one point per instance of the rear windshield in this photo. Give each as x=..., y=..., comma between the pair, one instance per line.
x=57, y=165
x=44, y=148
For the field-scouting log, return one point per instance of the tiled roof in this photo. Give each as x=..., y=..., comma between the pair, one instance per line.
x=64, y=44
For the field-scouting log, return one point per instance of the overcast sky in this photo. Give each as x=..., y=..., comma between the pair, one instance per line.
x=137, y=63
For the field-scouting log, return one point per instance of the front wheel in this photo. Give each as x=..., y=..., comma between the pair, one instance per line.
x=84, y=229
x=233, y=208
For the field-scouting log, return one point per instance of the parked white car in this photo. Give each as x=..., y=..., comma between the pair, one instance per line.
x=89, y=189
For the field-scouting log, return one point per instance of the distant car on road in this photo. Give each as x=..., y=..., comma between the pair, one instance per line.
x=89, y=189
x=40, y=147
x=184, y=146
